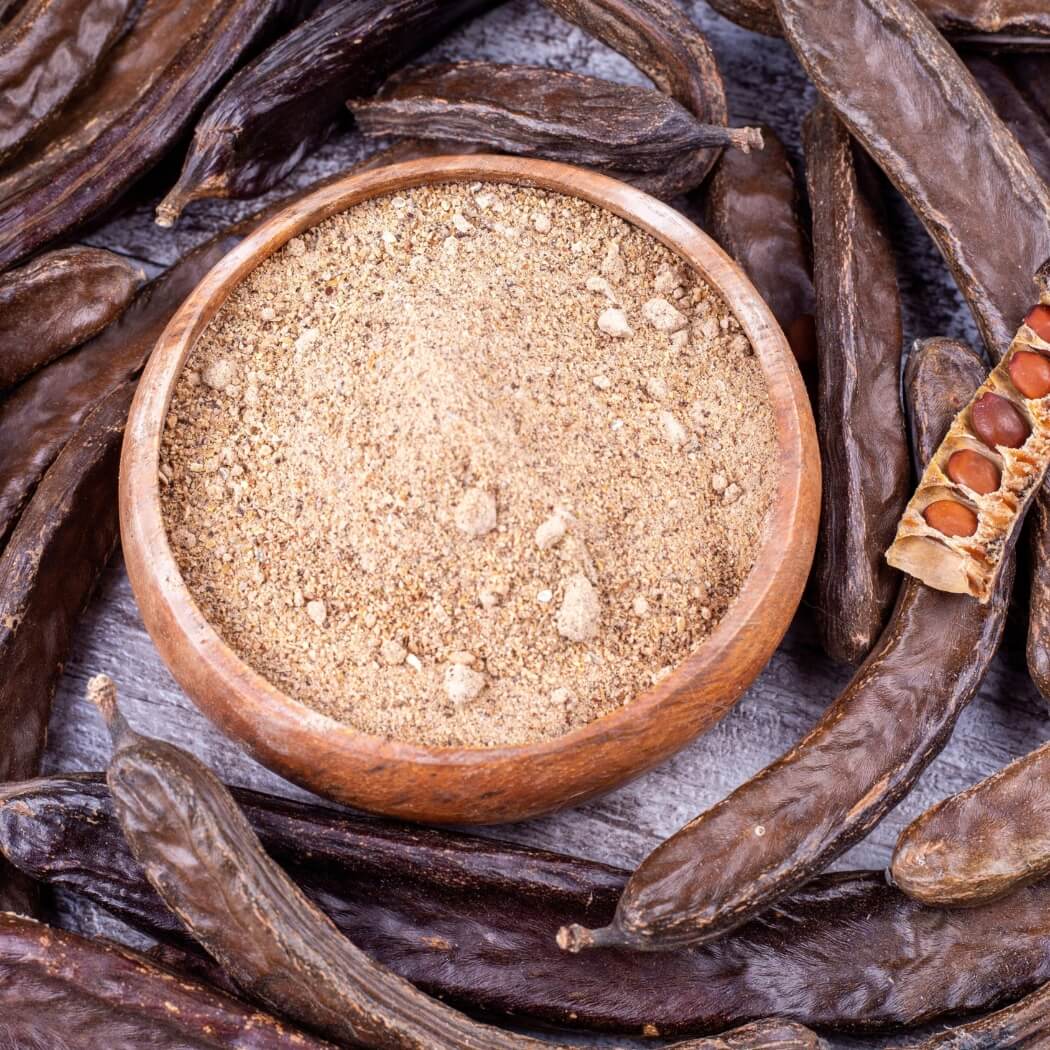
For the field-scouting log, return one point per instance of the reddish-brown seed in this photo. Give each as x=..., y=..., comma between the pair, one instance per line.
x=951, y=518
x=975, y=471
x=997, y=422
x=1030, y=373
x=1038, y=320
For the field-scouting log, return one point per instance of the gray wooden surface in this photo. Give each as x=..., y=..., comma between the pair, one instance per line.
x=765, y=85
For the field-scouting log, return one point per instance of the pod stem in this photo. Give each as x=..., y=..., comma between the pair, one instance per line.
x=102, y=692
x=576, y=938
x=746, y=139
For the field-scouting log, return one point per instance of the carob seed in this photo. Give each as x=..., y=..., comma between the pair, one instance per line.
x=1030, y=373
x=998, y=423
x=951, y=518
x=978, y=473
x=1038, y=319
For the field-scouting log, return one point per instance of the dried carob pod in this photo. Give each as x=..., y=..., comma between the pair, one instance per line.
x=982, y=843
x=751, y=210
x=546, y=113
x=863, y=444
x=846, y=46
x=47, y=574
x=967, y=510
x=472, y=921
x=47, y=55
x=157, y=79
x=58, y=301
x=798, y=814
x=61, y=990
x=658, y=38
x=289, y=100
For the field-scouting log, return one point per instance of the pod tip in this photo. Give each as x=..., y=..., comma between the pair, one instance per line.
x=102, y=692
x=169, y=209
x=747, y=139
x=576, y=938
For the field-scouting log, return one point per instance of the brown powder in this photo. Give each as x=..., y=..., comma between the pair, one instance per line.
x=469, y=465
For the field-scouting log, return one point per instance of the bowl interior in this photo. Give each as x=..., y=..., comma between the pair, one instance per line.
x=461, y=784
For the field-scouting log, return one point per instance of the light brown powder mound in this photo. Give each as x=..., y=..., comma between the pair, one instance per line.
x=469, y=465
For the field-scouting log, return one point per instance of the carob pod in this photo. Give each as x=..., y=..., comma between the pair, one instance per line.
x=846, y=47
x=47, y=574
x=770, y=1034
x=863, y=444
x=965, y=514
x=61, y=990
x=47, y=56
x=546, y=113
x=289, y=100
x=658, y=38
x=797, y=815
x=982, y=843
x=159, y=77
x=58, y=301
x=472, y=921
x=201, y=855
x=751, y=210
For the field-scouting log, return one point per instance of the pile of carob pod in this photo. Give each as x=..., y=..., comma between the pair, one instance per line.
x=281, y=924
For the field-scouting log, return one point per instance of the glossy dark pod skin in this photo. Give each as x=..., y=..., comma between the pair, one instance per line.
x=48, y=53
x=47, y=573
x=63, y=990
x=135, y=113
x=797, y=815
x=546, y=113
x=751, y=210
x=472, y=921
x=284, y=104
x=863, y=444
x=56, y=302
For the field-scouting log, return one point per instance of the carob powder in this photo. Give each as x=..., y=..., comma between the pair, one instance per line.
x=468, y=465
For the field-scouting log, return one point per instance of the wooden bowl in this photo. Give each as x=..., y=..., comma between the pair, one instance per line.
x=462, y=785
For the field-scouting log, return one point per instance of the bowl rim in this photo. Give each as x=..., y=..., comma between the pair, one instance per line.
x=245, y=704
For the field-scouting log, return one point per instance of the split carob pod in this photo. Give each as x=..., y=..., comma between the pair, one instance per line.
x=289, y=100
x=156, y=80
x=546, y=113
x=846, y=46
x=982, y=843
x=472, y=921
x=966, y=512
x=659, y=39
x=797, y=815
x=770, y=1034
x=751, y=210
x=47, y=56
x=63, y=990
x=863, y=443
x=47, y=573
x=201, y=855
x=58, y=301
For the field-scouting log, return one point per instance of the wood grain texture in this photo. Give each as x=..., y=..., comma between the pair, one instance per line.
x=765, y=85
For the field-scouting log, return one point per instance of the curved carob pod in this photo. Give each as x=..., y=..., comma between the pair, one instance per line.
x=982, y=843
x=47, y=573
x=133, y=117
x=472, y=921
x=751, y=209
x=548, y=113
x=863, y=444
x=289, y=100
x=58, y=301
x=846, y=47
x=798, y=814
x=61, y=990
x=47, y=55
x=658, y=38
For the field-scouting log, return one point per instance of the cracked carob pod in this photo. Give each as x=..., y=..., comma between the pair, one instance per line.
x=201, y=855
x=546, y=113
x=56, y=302
x=289, y=100
x=982, y=843
x=472, y=921
x=751, y=209
x=48, y=54
x=863, y=444
x=61, y=990
x=156, y=80
x=47, y=573
x=971, y=499
x=797, y=815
